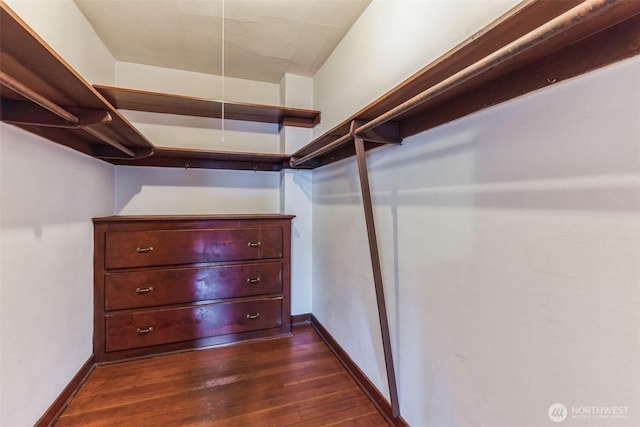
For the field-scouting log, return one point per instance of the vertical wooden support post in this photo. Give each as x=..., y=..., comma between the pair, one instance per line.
x=377, y=274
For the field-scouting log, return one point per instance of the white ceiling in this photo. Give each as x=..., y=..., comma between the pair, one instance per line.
x=263, y=39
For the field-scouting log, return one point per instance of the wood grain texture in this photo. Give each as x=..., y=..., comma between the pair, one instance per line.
x=293, y=381
x=148, y=288
x=125, y=330
x=170, y=283
x=127, y=249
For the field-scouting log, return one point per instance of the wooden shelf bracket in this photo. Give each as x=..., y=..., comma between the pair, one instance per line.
x=377, y=273
x=387, y=133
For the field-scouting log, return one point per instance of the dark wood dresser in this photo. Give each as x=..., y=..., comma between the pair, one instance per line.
x=167, y=283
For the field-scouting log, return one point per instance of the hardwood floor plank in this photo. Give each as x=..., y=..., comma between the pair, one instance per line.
x=199, y=379
x=291, y=381
x=296, y=413
x=371, y=420
x=325, y=409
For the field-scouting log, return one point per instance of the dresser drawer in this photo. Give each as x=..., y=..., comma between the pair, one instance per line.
x=146, y=288
x=148, y=328
x=127, y=249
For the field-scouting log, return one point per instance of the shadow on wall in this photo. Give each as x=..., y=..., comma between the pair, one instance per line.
x=201, y=122
x=303, y=179
x=152, y=190
x=554, y=149
x=169, y=130
x=43, y=183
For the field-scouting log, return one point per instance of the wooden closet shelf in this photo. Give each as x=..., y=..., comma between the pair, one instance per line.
x=203, y=159
x=140, y=100
x=42, y=94
x=606, y=37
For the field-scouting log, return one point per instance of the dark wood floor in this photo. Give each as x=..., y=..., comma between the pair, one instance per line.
x=292, y=381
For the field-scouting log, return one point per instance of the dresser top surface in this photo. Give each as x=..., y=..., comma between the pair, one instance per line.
x=231, y=217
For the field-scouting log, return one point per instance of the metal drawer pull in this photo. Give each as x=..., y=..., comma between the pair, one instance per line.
x=250, y=316
x=146, y=331
x=141, y=291
x=253, y=245
x=145, y=250
x=256, y=280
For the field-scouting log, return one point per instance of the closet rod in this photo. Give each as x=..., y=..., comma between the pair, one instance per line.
x=320, y=151
x=561, y=23
x=112, y=142
x=13, y=84
x=557, y=25
x=33, y=96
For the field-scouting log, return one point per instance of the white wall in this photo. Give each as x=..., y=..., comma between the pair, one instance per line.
x=199, y=85
x=48, y=195
x=391, y=40
x=296, y=189
x=509, y=242
x=63, y=27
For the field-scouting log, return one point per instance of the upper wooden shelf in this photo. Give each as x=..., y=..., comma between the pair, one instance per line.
x=204, y=159
x=139, y=100
x=606, y=37
x=42, y=94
